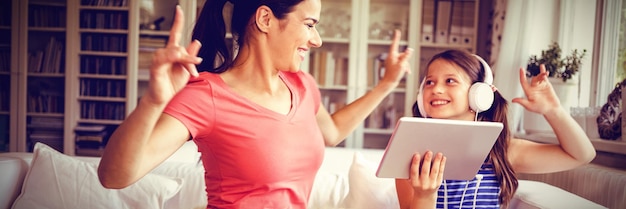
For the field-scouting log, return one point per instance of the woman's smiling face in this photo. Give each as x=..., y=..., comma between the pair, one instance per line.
x=296, y=35
x=446, y=90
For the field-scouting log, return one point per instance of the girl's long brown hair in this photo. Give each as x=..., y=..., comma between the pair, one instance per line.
x=496, y=113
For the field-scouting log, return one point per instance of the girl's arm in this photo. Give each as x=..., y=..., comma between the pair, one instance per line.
x=574, y=148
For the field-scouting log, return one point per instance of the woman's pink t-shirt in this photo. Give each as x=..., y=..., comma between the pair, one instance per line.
x=253, y=157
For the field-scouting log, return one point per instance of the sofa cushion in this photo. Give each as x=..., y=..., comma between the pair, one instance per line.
x=55, y=180
x=539, y=195
x=366, y=190
x=192, y=194
x=329, y=190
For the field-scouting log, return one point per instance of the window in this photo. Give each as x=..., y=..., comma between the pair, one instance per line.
x=621, y=59
x=611, y=47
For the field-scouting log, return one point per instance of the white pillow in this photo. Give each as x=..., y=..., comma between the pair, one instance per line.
x=59, y=181
x=329, y=190
x=538, y=195
x=368, y=191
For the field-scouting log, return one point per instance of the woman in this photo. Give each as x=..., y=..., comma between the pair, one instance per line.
x=446, y=94
x=257, y=120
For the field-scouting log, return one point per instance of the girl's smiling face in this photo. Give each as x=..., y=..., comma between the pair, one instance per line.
x=446, y=90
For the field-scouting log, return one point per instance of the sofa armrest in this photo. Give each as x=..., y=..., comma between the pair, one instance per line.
x=539, y=195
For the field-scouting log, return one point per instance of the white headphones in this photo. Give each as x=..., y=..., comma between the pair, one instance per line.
x=480, y=93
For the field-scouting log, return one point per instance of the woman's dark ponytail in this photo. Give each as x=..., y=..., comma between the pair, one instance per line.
x=210, y=30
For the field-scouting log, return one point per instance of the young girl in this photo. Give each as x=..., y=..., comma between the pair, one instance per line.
x=446, y=94
x=258, y=121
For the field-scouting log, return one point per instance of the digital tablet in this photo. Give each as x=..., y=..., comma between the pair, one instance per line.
x=465, y=144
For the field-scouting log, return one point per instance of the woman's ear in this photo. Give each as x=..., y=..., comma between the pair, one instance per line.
x=263, y=18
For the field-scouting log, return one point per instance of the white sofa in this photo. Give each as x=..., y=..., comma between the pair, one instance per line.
x=345, y=180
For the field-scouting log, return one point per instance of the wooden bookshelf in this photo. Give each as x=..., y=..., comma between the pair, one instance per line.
x=363, y=38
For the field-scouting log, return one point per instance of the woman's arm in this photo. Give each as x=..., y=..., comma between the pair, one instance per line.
x=340, y=124
x=147, y=136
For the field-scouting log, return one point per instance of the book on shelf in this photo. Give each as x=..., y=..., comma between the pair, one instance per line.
x=95, y=19
x=46, y=16
x=4, y=99
x=104, y=42
x=341, y=71
x=385, y=115
x=332, y=104
x=45, y=102
x=377, y=71
x=48, y=60
x=468, y=27
x=96, y=110
x=110, y=3
x=34, y=61
x=442, y=21
x=90, y=128
x=456, y=23
x=428, y=21
x=103, y=65
x=5, y=59
x=91, y=136
x=47, y=123
x=322, y=67
x=152, y=43
x=378, y=68
x=102, y=88
x=53, y=139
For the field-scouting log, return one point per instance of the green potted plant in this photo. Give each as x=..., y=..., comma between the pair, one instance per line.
x=559, y=69
x=563, y=68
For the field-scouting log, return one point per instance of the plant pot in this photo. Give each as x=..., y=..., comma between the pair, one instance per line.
x=568, y=96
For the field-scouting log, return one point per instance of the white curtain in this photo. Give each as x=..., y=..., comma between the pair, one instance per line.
x=512, y=56
x=529, y=27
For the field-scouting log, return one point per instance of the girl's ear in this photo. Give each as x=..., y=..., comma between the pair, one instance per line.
x=263, y=18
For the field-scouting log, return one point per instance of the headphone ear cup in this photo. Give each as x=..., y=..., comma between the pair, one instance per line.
x=480, y=97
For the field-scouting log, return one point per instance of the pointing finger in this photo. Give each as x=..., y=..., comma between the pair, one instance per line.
x=177, y=27
x=393, y=49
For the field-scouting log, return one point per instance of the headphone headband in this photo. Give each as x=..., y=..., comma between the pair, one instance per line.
x=488, y=74
x=480, y=94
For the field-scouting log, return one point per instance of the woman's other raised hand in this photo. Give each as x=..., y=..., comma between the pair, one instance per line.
x=397, y=63
x=173, y=65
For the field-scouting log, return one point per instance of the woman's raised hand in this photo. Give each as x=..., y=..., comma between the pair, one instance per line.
x=540, y=96
x=397, y=63
x=173, y=65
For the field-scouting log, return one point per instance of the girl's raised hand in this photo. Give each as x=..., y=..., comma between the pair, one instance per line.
x=397, y=63
x=173, y=65
x=540, y=96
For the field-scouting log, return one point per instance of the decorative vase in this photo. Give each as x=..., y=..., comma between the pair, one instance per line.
x=568, y=96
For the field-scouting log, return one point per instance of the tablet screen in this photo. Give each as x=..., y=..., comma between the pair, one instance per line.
x=466, y=145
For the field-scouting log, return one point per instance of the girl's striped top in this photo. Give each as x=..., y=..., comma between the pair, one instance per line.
x=465, y=194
